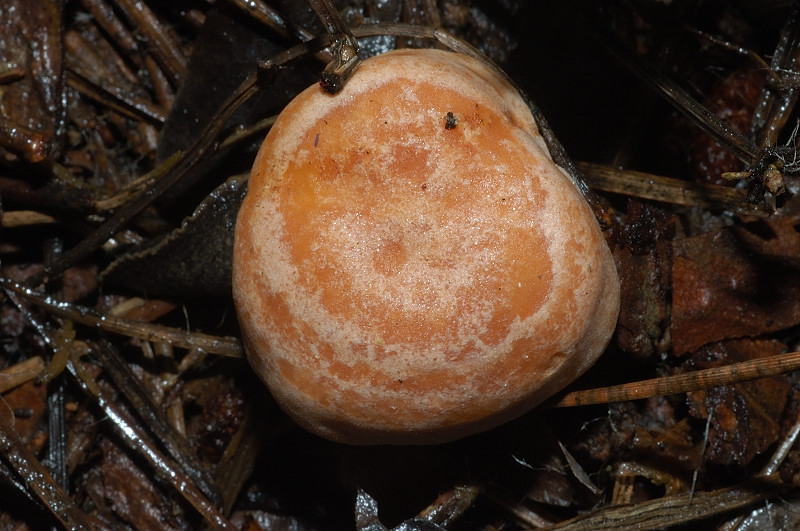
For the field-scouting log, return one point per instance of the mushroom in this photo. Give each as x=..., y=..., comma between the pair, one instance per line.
x=410, y=265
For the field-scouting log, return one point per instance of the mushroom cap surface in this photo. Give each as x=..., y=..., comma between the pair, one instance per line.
x=410, y=265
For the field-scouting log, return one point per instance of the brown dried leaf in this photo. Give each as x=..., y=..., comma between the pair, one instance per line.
x=23, y=408
x=721, y=290
x=653, y=434
x=30, y=41
x=775, y=239
x=131, y=493
x=192, y=260
x=744, y=417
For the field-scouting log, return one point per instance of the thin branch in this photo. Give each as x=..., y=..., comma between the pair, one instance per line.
x=223, y=346
x=684, y=383
x=20, y=373
x=668, y=190
x=675, y=510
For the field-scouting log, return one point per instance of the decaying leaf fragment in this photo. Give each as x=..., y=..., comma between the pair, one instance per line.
x=744, y=418
x=198, y=254
x=30, y=78
x=724, y=290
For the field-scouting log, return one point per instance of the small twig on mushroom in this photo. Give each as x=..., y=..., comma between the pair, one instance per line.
x=343, y=45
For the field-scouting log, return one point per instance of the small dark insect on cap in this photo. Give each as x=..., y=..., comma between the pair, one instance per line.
x=450, y=121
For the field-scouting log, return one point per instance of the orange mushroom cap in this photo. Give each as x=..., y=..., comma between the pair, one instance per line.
x=410, y=265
